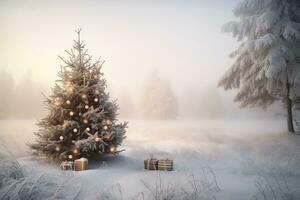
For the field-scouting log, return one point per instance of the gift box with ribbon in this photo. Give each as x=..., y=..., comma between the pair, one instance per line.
x=165, y=165
x=81, y=164
x=151, y=163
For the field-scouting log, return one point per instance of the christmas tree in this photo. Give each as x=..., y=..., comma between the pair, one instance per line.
x=82, y=120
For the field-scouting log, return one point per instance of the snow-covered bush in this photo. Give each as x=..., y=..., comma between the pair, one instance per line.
x=10, y=168
x=14, y=184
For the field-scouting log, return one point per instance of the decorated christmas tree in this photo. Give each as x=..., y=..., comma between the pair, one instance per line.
x=82, y=120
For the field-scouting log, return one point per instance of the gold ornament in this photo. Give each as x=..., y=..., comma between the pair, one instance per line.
x=71, y=113
x=96, y=99
x=70, y=156
x=68, y=102
x=61, y=137
x=75, y=130
x=86, y=107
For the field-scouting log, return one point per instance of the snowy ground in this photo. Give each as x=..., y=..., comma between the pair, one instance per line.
x=225, y=159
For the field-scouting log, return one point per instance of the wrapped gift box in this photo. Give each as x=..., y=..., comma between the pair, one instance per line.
x=151, y=164
x=67, y=165
x=165, y=165
x=81, y=164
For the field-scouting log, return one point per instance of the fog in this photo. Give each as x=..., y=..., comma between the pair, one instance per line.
x=163, y=63
x=181, y=42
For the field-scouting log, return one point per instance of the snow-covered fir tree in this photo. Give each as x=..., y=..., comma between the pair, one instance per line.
x=267, y=62
x=82, y=120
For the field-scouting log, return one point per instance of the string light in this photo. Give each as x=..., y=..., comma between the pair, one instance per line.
x=97, y=91
x=57, y=101
x=68, y=85
x=68, y=102
x=75, y=151
x=112, y=149
x=61, y=137
x=71, y=113
x=108, y=121
x=84, y=96
x=88, y=129
x=85, y=121
x=86, y=107
x=97, y=139
x=80, y=114
x=75, y=130
x=96, y=99
x=70, y=156
x=95, y=76
x=105, y=127
x=57, y=148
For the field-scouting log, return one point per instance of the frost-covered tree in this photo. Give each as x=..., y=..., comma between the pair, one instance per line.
x=158, y=99
x=267, y=62
x=81, y=120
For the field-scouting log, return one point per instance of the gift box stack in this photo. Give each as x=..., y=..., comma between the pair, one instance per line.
x=155, y=164
x=78, y=165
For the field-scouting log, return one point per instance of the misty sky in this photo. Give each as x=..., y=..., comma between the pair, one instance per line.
x=182, y=40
